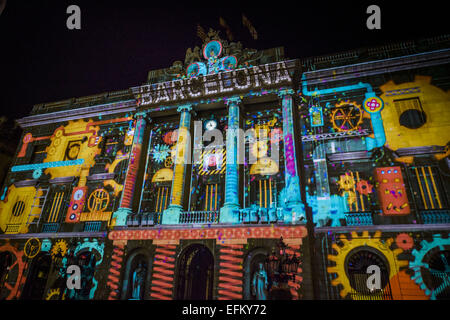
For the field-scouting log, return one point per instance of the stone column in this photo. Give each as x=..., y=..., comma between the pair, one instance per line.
x=229, y=213
x=293, y=208
x=126, y=202
x=182, y=155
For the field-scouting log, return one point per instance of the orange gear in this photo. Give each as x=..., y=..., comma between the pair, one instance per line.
x=364, y=187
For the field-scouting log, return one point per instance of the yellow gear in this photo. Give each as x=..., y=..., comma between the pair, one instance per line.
x=54, y=294
x=60, y=247
x=348, y=114
x=364, y=241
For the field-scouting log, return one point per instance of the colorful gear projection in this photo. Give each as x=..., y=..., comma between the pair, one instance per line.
x=364, y=187
x=53, y=294
x=32, y=248
x=160, y=152
x=59, y=248
x=15, y=272
x=363, y=242
x=419, y=265
x=347, y=116
x=404, y=241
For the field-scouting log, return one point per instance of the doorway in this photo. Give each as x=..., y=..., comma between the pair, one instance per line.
x=195, y=274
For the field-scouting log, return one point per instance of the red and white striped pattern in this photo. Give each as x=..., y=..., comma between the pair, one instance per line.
x=163, y=272
x=295, y=285
x=114, y=271
x=230, y=273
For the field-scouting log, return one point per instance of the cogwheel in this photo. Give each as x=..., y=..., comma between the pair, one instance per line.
x=59, y=248
x=53, y=294
x=404, y=241
x=419, y=263
x=347, y=116
x=356, y=242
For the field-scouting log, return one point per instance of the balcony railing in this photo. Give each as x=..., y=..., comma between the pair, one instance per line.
x=259, y=215
x=435, y=216
x=361, y=218
x=92, y=226
x=50, y=227
x=199, y=217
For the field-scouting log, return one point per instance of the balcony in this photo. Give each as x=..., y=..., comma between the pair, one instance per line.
x=436, y=216
x=92, y=226
x=50, y=227
x=360, y=218
x=199, y=217
x=259, y=215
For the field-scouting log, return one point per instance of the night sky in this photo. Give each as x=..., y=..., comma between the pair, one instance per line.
x=119, y=42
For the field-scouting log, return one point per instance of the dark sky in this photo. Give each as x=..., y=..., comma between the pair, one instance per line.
x=119, y=42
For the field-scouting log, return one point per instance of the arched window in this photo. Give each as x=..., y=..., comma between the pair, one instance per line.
x=135, y=283
x=195, y=274
x=357, y=263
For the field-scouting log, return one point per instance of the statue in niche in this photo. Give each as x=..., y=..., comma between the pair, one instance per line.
x=260, y=283
x=138, y=282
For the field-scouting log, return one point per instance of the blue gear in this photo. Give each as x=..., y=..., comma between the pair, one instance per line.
x=418, y=262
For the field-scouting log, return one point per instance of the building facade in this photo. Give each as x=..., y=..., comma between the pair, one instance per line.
x=184, y=187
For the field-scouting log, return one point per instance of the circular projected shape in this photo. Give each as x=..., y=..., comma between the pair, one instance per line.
x=32, y=247
x=413, y=118
x=27, y=138
x=373, y=105
x=346, y=117
x=37, y=173
x=168, y=162
x=210, y=124
x=437, y=275
x=98, y=200
x=59, y=133
x=212, y=48
x=18, y=208
x=356, y=268
x=229, y=63
x=78, y=194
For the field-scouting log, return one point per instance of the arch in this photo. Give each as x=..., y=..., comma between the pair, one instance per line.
x=250, y=264
x=357, y=262
x=195, y=276
x=36, y=282
x=132, y=262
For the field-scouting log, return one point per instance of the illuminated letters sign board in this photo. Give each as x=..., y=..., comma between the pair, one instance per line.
x=240, y=80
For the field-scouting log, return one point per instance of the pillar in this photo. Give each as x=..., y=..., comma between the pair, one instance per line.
x=229, y=213
x=126, y=202
x=293, y=208
x=182, y=154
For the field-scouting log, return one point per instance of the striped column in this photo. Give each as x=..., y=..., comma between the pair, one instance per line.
x=294, y=208
x=126, y=202
x=230, y=273
x=163, y=272
x=230, y=210
x=182, y=157
x=114, y=271
x=295, y=285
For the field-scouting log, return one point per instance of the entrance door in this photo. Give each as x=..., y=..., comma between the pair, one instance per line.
x=196, y=274
x=37, y=279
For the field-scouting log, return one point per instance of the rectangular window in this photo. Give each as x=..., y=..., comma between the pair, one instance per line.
x=427, y=184
x=38, y=153
x=162, y=198
x=72, y=150
x=211, y=197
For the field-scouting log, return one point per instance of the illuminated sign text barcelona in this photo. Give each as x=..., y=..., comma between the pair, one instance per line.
x=221, y=83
